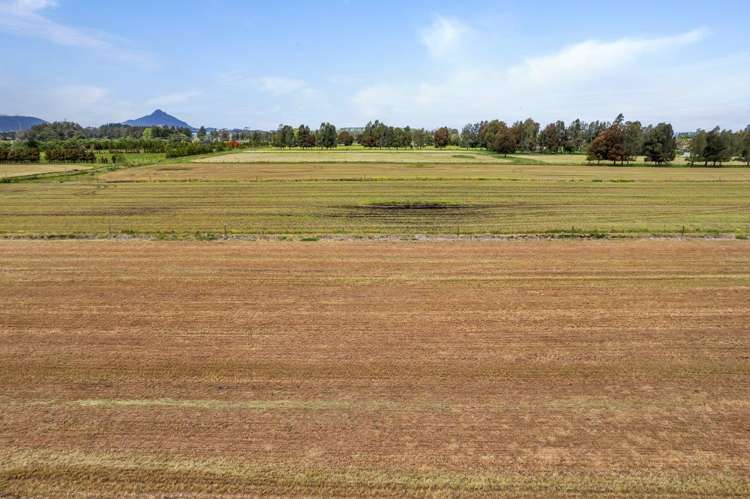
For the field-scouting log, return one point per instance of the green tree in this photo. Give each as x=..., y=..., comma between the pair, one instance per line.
x=745, y=146
x=660, y=145
x=202, y=133
x=698, y=148
x=718, y=147
x=634, y=138
x=327, y=136
x=305, y=137
x=470, y=136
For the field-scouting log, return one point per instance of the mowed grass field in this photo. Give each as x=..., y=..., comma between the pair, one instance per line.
x=21, y=170
x=451, y=156
x=375, y=368
x=349, y=200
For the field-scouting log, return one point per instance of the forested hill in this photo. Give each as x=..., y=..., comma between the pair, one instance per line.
x=158, y=118
x=18, y=123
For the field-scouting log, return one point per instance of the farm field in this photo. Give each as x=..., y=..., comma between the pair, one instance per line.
x=187, y=200
x=450, y=156
x=251, y=172
x=381, y=368
x=21, y=170
x=429, y=155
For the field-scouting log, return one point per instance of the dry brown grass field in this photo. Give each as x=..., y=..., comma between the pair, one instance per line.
x=20, y=170
x=544, y=368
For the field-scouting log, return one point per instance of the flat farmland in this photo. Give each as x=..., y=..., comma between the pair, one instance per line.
x=20, y=170
x=381, y=200
x=451, y=156
x=380, y=368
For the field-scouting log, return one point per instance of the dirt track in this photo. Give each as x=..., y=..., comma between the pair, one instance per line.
x=354, y=367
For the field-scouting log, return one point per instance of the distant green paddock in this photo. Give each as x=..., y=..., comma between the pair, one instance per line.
x=185, y=200
x=416, y=156
x=358, y=156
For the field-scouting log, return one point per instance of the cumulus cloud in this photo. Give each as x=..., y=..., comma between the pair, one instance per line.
x=592, y=79
x=579, y=61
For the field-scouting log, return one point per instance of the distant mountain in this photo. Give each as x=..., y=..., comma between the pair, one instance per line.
x=158, y=118
x=18, y=123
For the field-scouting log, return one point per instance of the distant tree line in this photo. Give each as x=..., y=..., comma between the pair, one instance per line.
x=18, y=153
x=69, y=152
x=194, y=148
x=618, y=142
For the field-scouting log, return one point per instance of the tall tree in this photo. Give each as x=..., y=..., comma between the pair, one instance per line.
x=442, y=137
x=575, y=136
x=698, y=148
x=528, y=141
x=745, y=146
x=549, y=139
x=660, y=145
x=504, y=141
x=634, y=137
x=305, y=137
x=718, y=147
x=327, y=137
x=609, y=145
x=470, y=136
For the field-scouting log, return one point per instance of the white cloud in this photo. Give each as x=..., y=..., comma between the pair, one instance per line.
x=581, y=60
x=25, y=18
x=444, y=37
x=642, y=77
x=174, y=98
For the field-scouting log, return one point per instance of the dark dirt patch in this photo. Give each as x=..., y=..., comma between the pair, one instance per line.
x=417, y=205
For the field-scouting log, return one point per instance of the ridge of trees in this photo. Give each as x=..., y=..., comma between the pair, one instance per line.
x=618, y=142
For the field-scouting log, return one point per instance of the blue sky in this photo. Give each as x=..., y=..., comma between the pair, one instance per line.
x=259, y=64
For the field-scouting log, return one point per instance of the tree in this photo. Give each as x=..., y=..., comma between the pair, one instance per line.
x=442, y=137
x=698, y=148
x=283, y=137
x=609, y=145
x=575, y=137
x=634, y=137
x=504, y=141
x=148, y=134
x=718, y=147
x=327, y=136
x=470, y=136
x=745, y=146
x=345, y=138
x=528, y=140
x=305, y=137
x=660, y=145
x=421, y=138
x=549, y=140
x=202, y=133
